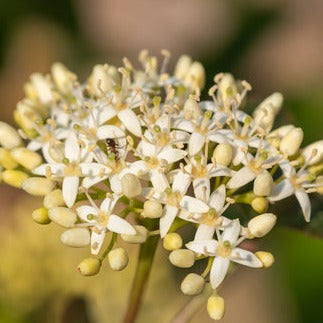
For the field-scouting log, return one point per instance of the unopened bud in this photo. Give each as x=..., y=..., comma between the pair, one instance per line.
x=263, y=184
x=281, y=131
x=227, y=87
x=62, y=216
x=191, y=109
x=262, y=224
x=54, y=198
x=63, y=77
x=260, y=204
x=216, y=307
x=118, y=259
x=6, y=160
x=152, y=209
x=38, y=186
x=101, y=81
x=140, y=236
x=292, y=141
x=313, y=152
x=172, y=241
x=9, y=136
x=275, y=101
x=265, y=118
x=42, y=87
x=76, y=237
x=192, y=284
x=14, y=177
x=223, y=154
x=266, y=258
x=40, y=216
x=182, y=67
x=89, y=266
x=182, y=258
x=131, y=185
x=27, y=158
x=196, y=75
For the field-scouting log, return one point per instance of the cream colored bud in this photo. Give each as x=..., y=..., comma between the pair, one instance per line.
x=172, y=241
x=265, y=117
x=131, y=185
x=89, y=266
x=9, y=136
x=262, y=224
x=152, y=209
x=313, y=152
x=281, y=131
x=76, y=237
x=140, y=237
x=182, y=67
x=275, y=101
x=292, y=141
x=216, y=307
x=101, y=81
x=63, y=78
x=118, y=259
x=196, y=75
x=42, y=87
x=223, y=153
x=27, y=158
x=62, y=216
x=6, y=160
x=227, y=87
x=54, y=198
x=192, y=284
x=38, y=186
x=266, y=258
x=26, y=116
x=263, y=184
x=191, y=109
x=260, y=204
x=183, y=258
x=40, y=216
x=14, y=177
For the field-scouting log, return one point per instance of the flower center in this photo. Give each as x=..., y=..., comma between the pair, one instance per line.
x=72, y=169
x=224, y=249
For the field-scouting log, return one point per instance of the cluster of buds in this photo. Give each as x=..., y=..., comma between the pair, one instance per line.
x=132, y=153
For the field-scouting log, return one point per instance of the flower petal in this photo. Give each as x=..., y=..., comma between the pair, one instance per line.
x=119, y=225
x=245, y=257
x=204, y=232
x=167, y=219
x=218, y=271
x=72, y=148
x=181, y=182
x=231, y=232
x=84, y=210
x=185, y=125
x=94, y=169
x=158, y=180
x=115, y=184
x=217, y=198
x=171, y=155
x=109, y=203
x=70, y=189
x=90, y=181
x=201, y=186
x=304, y=202
x=97, y=239
x=241, y=178
x=205, y=247
x=195, y=143
x=194, y=205
x=109, y=131
x=281, y=191
x=130, y=121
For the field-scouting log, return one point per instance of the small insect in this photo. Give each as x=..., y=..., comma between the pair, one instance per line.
x=112, y=147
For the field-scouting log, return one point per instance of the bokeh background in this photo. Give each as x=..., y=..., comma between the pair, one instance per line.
x=275, y=45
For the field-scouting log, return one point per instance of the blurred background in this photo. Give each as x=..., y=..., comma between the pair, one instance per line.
x=277, y=45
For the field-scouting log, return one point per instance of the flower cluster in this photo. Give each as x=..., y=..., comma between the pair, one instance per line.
x=133, y=153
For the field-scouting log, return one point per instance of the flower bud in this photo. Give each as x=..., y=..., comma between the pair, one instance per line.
x=40, y=216
x=118, y=259
x=54, y=198
x=62, y=216
x=191, y=109
x=260, y=204
x=216, y=307
x=223, y=153
x=281, y=131
x=63, y=77
x=9, y=136
x=38, y=186
x=265, y=118
x=101, y=80
x=196, y=75
x=131, y=185
x=140, y=236
x=266, y=258
x=275, y=101
x=292, y=141
x=14, y=177
x=172, y=241
x=26, y=117
x=182, y=67
x=89, y=266
x=183, y=258
x=27, y=158
x=260, y=225
x=263, y=184
x=313, y=152
x=227, y=87
x=6, y=160
x=76, y=237
x=42, y=87
x=152, y=209
x=192, y=284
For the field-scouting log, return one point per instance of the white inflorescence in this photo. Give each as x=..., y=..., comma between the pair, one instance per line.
x=142, y=142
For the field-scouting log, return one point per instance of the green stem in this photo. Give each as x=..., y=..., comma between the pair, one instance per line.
x=146, y=256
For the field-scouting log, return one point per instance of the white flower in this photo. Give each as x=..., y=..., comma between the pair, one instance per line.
x=101, y=220
x=224, y=251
